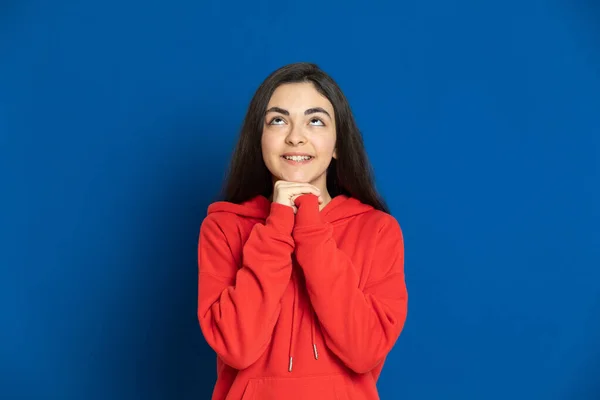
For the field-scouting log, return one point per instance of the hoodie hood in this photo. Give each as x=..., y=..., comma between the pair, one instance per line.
x=339, y=208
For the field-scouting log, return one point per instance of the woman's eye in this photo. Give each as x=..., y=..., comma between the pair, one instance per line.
x=317, y=120
x=277, y=121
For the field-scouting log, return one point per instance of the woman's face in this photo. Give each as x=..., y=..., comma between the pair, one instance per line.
x=298, y=140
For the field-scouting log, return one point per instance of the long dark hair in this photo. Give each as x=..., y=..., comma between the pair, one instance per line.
x=350, y=174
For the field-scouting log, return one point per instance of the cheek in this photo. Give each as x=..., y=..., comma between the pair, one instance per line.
x=268, y=145
x=265, y=142
x=326, y=145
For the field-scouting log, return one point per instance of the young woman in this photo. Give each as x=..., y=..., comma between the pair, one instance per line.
x=301, y=268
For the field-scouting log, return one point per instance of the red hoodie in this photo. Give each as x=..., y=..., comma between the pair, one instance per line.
x=303, y=306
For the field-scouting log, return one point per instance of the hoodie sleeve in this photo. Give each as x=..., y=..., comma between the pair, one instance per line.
x=359, y=325
x=238, y=305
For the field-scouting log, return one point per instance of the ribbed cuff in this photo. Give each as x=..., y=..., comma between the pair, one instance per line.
x=308, y=210
x=281, y=218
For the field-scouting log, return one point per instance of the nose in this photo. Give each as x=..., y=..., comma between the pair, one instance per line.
x=296, y=136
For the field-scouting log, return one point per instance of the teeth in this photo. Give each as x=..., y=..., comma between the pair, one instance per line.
x=297, y=158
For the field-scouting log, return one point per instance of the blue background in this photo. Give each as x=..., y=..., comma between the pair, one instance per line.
x=482, y=120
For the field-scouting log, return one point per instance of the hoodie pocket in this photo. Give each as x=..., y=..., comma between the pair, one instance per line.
x=330, y=387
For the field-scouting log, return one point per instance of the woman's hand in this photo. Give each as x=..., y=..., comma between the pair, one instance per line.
x=285, y=193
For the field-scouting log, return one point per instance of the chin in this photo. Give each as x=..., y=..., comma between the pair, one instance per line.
x=298, y=179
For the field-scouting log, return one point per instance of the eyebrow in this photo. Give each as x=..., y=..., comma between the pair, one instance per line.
x=313, y=110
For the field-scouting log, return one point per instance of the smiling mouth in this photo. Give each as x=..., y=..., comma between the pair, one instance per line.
x=298, y=158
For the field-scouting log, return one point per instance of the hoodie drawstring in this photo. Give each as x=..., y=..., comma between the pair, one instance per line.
x=313, y=335
x=293, y=335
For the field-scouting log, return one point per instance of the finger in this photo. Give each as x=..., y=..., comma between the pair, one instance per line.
x=294, y=197
x=287, y=185
x=302, y=190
